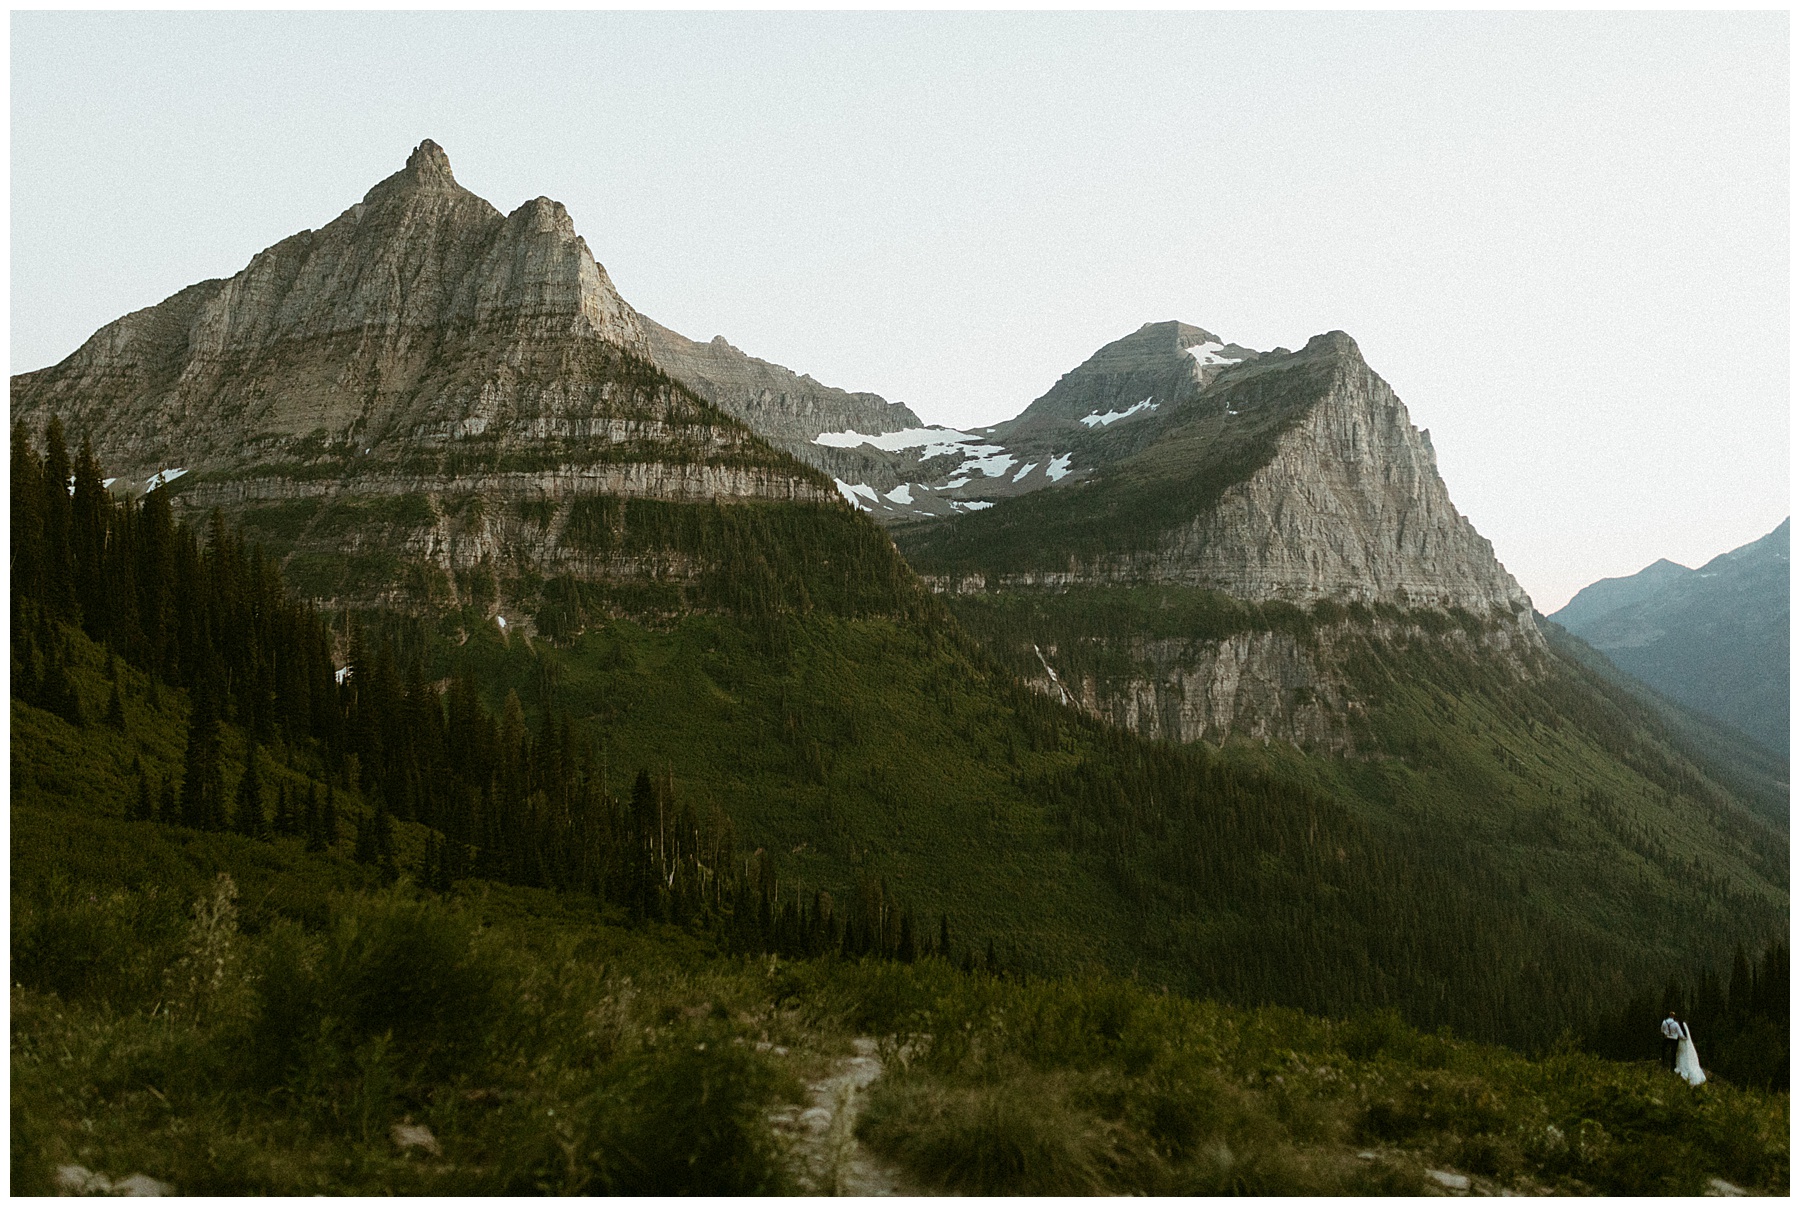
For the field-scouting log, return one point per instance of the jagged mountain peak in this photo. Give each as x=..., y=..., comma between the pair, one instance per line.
x=427, y=171
x=430, y=163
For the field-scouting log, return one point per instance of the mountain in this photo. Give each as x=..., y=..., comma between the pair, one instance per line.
x=1079, y=424
x=1715, y=639
x=543, y=560
x=422, y=401
x=1747, y=768
x=1283, y=481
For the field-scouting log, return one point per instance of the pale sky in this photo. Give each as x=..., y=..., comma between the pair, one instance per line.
x=1563, y=238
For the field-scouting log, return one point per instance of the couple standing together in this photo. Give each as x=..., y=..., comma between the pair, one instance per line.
x=1678, y=1051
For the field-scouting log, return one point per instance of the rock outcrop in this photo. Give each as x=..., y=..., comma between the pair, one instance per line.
x=1267, y=684
x=404, y=312
x=790, y=410
x=1159, y=365
x=1295, y=477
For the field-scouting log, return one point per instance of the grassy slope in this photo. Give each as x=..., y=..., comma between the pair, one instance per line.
x=283, y=1073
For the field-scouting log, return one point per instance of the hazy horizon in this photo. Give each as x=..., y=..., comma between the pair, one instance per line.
x=1563, y=238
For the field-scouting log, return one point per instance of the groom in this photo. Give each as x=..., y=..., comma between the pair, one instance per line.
x=1671, y=1033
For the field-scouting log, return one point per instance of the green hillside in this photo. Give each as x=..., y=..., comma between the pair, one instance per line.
x=547, y=1050
x=233, y=1015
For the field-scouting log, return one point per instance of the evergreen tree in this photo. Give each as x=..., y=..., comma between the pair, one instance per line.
x=328, y=818
x=56, y=582
x=384, y=843
x=115, y=709
x=168, y=809
x=315, y=821
x=287, y=820
x=908, y=951
x=202, y=789
x=143, y=808
x=367, y=849
x=58, y=694
x=249, y=819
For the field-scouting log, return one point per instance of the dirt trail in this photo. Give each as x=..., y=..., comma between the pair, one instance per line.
x=832, y=1159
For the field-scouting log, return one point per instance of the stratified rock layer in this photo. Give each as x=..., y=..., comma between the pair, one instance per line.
x=421, y=347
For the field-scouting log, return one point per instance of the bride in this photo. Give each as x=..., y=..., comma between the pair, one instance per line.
x=1687, y=1060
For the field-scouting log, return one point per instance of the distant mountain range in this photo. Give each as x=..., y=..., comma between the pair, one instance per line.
x=1715, y=639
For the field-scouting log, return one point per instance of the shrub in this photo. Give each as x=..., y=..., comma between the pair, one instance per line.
x=409, y=973
x=687, y=1116
x=89, y=947
x=1019, y=1136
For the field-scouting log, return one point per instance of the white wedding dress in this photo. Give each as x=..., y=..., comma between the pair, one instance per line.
x=1687, y=1060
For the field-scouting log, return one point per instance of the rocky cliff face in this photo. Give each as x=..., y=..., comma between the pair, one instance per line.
x=1160, y=365
x=790, y=410
x=1282, y=478
x=1349, y=507
x=339, y=334
x=421, y=345
x=1265, y=685
x=1299, y=477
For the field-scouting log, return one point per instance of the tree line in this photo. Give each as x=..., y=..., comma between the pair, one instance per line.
x=376, y=743
x=1739, y=1022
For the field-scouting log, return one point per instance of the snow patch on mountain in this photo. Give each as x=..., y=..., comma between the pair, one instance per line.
x=855, y=492
x=1099, y=420
x=930, y=441
x=1208, y=354
x=1059, y=468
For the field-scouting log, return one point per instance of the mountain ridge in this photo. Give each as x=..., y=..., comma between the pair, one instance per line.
x=1714, y=638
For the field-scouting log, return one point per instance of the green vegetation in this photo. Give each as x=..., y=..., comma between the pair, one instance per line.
x=751, y=560
x=834, y=767
x=519, y=1041
x=1556, y=801
x=1746, y=767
